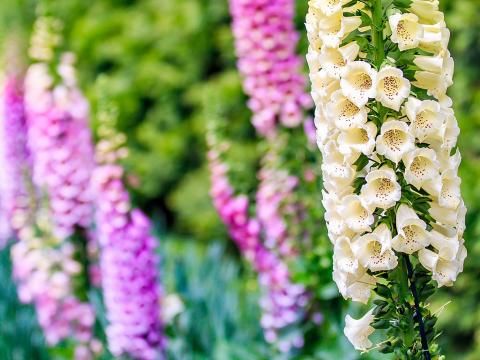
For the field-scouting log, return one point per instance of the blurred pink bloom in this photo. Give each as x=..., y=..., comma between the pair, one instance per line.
x=265, y=43
x=128, y=269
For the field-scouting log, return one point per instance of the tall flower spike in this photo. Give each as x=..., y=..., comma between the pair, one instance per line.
x=275, y=203
x=15, y=156
x=61, y=145
x=128, y=261
x=265, y=42
x=282, y=301
x=58, y=139
x=396, y=203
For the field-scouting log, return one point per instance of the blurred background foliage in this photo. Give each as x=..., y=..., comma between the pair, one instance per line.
x=160, y=58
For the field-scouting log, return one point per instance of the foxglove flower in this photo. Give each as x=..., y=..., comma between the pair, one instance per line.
x=265, y=42
x=15, y=156
x=128, y=261
x=282, y=300
x=61, y=145
x=58, y=139
x=274, y=204
x=387, y=137
x=358, y=331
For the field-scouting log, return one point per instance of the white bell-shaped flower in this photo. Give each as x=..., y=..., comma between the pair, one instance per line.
x=357, y=287
x=324, y=132
x=357, y=139
x=392, y=87
x=445, y=241
x=334, y=28
x=323, y=86
x=337, y=170
x=333, y=59
x=312, y=21
x=426, y=117
x=382, y=189
x=356, y=214
x=447, y=161
x=313, y=60
x=406, y=30
x=335, y=223
x=436, y=73
x=344, y=257
x=444, y=272
x=435, y=37
x=358, y=82
x=395, y=140
x=449, y=195
x=443, y=215
x=358, y=331
x=328, y=7
x=412, y=234
x=344, y=113
x=422, y=169
x=427, y=11
x=450, y=130
x=374, y=250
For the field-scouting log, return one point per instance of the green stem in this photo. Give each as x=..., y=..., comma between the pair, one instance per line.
x=418, y=313
x=377, y=32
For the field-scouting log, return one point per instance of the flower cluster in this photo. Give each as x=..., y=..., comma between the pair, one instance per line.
x=388, y=135
x=265, y=42
x=282, y=300
x=127, y=257
x=61, y=145
x=276, y=205
x=14, y=155
x=46, y=262
x=44, y=267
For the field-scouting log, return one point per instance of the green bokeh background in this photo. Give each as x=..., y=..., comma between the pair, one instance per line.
x=159, y=58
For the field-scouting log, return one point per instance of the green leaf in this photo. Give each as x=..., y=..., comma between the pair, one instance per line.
x=361, y=162
x=383, y=291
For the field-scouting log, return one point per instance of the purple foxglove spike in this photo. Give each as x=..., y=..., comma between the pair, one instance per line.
x=129, y=270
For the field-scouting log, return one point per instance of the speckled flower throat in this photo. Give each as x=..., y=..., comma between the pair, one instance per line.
x=387, y=132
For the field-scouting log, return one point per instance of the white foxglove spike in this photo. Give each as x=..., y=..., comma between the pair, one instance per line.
x=388, y=136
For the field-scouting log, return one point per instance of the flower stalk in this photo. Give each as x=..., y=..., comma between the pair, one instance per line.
x=418, y=310
x=388, y=135
x=377, y=32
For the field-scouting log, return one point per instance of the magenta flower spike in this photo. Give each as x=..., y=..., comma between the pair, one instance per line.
x=61, y=145
x=265, y=42
x=15, y=198
x=128, y=261
x=282, y=301
x=54, y=176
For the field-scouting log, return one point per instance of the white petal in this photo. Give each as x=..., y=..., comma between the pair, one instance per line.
x=392, y=87
x=382, y=189
x=426, y=118
x=406, y=31
x=344, y=113
x=358, y=331
x=421, y=166
x=445, y=241
x=358, y=217
x=358, y=82
x=357, y=139
x=395, y=140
